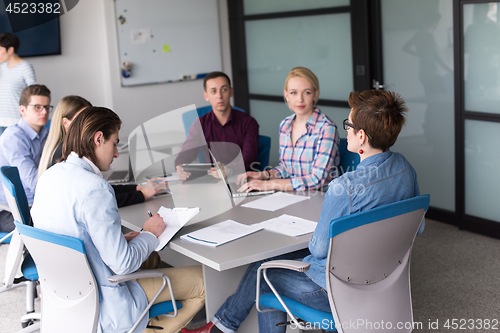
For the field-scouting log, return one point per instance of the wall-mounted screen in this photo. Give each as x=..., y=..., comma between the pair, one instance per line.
x=40, y=40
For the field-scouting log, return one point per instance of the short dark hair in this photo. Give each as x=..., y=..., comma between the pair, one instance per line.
x=33, y=90
x=9, y=40
x=214, y=75
x=381, y=114
x=81, y=132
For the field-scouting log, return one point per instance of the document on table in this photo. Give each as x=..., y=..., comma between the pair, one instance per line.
x=175, y=219
x=289, y=225
x=220, y=233
x=275, y=201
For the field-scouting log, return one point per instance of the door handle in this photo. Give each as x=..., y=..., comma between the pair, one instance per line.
x=377, y=85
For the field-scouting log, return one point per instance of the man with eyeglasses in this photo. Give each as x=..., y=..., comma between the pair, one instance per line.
x=21, y=145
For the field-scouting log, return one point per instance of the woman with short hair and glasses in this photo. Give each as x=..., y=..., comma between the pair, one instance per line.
x=382, y=177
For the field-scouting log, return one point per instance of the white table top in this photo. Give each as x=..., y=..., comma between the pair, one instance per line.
x=216, y=207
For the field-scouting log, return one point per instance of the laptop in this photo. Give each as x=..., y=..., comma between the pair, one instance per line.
x=124, y=176
x=232, y=188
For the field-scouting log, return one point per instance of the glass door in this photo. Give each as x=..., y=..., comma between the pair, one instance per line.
x=417, y=62
x=480, y=110
x=269, y=38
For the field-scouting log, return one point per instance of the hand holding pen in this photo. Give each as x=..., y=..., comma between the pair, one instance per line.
x=152, y=187
x=154, y=224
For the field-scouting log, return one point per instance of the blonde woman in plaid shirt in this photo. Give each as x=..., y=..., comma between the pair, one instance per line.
x=309, y=142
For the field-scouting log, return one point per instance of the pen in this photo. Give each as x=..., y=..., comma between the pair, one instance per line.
x=150, y=215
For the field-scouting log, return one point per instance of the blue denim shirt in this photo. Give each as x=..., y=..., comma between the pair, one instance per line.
x=21, y=146
x=377, y=181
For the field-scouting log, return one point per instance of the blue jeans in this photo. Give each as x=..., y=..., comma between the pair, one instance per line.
x=288, y=283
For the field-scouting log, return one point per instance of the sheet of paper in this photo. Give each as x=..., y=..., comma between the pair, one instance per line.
x=140, y=36
x=220, y=233
x=275, y=201
x=172, y=178
x=289, y=225
x=175, y=219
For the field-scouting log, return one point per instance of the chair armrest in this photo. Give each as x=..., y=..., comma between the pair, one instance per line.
x=293, y=265
x=147, y=274
x=134, y=276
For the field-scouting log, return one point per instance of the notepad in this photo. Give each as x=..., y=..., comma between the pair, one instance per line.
x=220, y=233
x=289, y=225
x=175, y=219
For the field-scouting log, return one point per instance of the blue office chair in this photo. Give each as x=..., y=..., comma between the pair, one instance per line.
x=368, y=269
x=69, y=290
x=18, y=204
x=264, y=147
x=47, y=125
x=348, y=160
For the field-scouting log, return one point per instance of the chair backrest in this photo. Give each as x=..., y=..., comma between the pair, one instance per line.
x=15, y=194
x=348, y=160
x=70, y=294
x=369, y=266
x=263, y=152
x=264, y=147
x=18, y=204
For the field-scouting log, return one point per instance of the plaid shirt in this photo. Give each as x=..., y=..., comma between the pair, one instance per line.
x=311, y=163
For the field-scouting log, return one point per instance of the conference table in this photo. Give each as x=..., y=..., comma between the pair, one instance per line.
x=223, y=266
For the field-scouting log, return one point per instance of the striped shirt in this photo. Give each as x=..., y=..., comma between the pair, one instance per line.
x=12, y=82
x=313, y=160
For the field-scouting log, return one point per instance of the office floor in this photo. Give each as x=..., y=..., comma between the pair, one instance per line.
x=454, y=275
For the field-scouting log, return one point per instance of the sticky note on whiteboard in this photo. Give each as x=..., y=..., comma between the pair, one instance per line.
x=166, y=48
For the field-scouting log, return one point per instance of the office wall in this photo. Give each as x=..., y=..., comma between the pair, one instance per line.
x=89, y=66
x=81, y=68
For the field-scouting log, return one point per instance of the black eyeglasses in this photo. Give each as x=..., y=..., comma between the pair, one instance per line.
x=346, y=124
x=39, y=107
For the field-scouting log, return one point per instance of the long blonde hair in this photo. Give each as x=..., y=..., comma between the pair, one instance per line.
x=68, y=107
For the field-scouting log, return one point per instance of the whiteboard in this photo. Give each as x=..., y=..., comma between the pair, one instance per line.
x=167, y=40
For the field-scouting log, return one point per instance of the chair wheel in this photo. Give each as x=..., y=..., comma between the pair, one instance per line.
x=27, y=323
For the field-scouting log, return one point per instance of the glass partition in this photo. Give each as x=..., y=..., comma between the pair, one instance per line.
x=417, y=47
x=156, y=142
x=176, y=138
x=481, y=57
x=265, y=6
x=275, y=46
x=482, y=158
